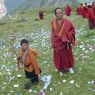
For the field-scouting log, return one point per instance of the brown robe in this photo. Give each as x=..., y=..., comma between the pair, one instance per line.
x=31, y=63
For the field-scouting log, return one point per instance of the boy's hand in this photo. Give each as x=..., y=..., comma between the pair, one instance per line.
x=18, y=65
x=18, y=58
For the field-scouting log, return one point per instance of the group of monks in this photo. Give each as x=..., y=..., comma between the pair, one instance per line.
x=88, y=12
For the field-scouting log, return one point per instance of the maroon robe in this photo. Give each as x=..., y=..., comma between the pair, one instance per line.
x=61, y=33
x=67, y=10
x=81, y=10
x=77, y=10
x=94, y=14
x=91, y=18
x=84, y=11
x=41, y=15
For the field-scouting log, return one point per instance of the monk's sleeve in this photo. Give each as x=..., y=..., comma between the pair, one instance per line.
x=35, y=53
x=34, y=62
x=71, y=34
x=19, y=54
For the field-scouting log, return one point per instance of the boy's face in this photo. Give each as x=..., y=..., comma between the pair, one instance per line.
x=24, y=46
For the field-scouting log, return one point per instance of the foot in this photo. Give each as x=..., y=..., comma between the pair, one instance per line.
x=27, y=85
x=35, y=82
x=71, y=70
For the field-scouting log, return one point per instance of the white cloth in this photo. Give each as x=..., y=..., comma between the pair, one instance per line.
x=46, y=80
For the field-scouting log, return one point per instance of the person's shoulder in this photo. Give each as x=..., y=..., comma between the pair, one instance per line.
x=67, y=20
x=32, y=50
x=20, y=49
x=53, y=20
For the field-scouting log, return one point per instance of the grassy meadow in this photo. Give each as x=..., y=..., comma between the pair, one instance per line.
x=38, y=33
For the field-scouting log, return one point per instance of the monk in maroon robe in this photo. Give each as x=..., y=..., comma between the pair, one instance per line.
x=78, y=10
x=68, y=10
x=93, y=7
x=41, y=15
x=84, y=10
x=81, y=9
x=63, y=37
x=91, y=17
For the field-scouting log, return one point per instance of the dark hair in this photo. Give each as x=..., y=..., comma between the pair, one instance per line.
x=23, y=41
x=89, y=6
x=57, y=9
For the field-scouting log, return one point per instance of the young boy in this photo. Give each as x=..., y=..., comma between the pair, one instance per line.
x=28, y=57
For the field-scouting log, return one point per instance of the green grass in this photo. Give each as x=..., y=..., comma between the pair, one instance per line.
x=38, y=34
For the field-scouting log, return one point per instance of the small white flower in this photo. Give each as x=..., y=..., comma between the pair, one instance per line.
x=59, y=82
x=83, y=48
x=63, y=80
x=35, y=91
x=61, y=93
x=72, y=81
x=50, y=89
x=56, y=70
x=30, y=90
x=19, y=76
x=61, y=74
x=77, y=85
x=16, y=85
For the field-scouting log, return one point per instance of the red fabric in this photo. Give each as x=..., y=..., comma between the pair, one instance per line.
x=81, y=10
x=68, y=10
x=63, y=57
x=93, y=9
x=91, y=18
x=84, y=11
x=41, y=16
x=90, y=14
x=78, y=10
x=67, y=33
x=94, y=14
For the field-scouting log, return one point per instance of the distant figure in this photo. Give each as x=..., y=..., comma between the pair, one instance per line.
x=62, y=39
x=84, y=10
x=91, y=17
x=28, y=57
x=68, y=10
x=81, y=9
x=41, y=15
x=78, y=10
x=93, y=7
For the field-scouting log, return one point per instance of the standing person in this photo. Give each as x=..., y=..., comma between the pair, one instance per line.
x=68, y=10
x=63, y=37
x=41, y=15
x=28, y=57
x=81, y=9
x=78, y=10
x=93, y=7
x=91, y=17
x=84, y=10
